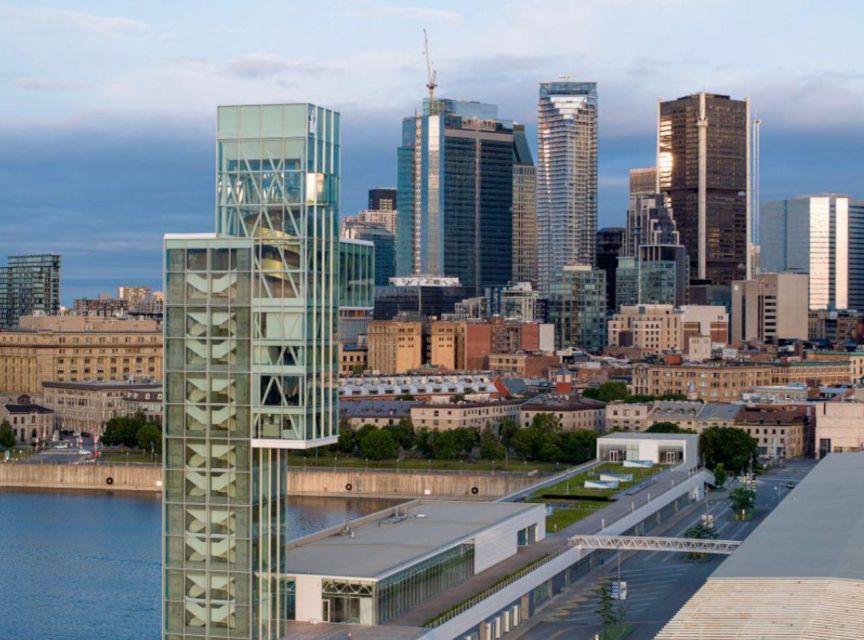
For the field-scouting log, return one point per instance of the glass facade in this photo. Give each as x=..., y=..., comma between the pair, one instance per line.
x=250, y=366
x=566, y=177
x=455, y=192
x=405, y=589
x=385, y=247
x=356, y=274
x=577, y=308
x=28, y=285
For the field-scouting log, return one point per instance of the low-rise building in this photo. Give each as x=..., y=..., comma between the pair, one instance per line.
x=353, y=359
x=422, y=387
x=659, y=448
x=530, y=365
x=572, y=412
x=662, y=328
x=711, y=381
x=395, y=346
x=380, y=412
x=75, y=349
x=839, y=427
x=85, y=407
x=627, y=416
x=30, y=422
x=781, y=431
x=479, y=415
x=372, y=571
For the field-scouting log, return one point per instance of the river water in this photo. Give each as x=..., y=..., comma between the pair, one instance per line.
x=86, y=566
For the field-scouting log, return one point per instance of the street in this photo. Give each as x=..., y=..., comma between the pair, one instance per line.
x=658, y=583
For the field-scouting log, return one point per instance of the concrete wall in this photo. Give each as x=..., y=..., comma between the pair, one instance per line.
x=396, y=484
x=81, y=476
x=309, y=602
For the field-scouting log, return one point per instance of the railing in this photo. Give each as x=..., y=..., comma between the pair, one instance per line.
x=534, y=473
x=654, y=543
x=498, y=585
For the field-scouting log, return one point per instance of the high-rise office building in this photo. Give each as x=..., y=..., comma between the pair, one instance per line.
x=643, y=181
x=566, y=177
x=577, y=308
x=822, y=236
x=703, y=164
x=29, y=285
x=455, y=190
x=250, y=368
x=524, y=210
x=770, y=307
x=648, y=222
x=382, y=199
x=610, y=242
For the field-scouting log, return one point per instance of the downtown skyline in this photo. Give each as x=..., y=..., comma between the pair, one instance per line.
x=141, y=119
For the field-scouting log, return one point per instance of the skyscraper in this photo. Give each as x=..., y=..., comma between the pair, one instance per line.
x=566, y=177
x=610, y=243
x=703, y=172
x=643, y=181
x=385, y=246
x=29, y=285
x=382, y=199
x=455, y=190
x=524, y=210
x=250, y=315
x=819, y=235
x=648, y=222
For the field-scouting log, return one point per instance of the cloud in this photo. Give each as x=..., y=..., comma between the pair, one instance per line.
x=408, y=13
x=39, y=84
x=265, y=65
x=53, y=18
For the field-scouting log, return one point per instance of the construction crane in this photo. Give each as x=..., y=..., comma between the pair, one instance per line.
x=430, y=72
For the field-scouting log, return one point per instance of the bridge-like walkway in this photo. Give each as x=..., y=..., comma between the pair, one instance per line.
x=655, y=543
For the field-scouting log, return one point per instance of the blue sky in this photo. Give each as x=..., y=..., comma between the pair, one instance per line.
x=107, y=108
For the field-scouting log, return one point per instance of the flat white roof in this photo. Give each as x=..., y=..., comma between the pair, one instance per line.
x=641, y=435
x=381, y=547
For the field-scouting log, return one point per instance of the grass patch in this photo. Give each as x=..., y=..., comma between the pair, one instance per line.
x=135, y=455
x=616, y=632
x=563, y=516
x=575, y=486
x=420, y=464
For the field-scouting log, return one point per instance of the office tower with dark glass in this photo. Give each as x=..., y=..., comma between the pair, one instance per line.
x=703, y=152
x=250, y=366
x=382, y=199
x=610, y=243
x=566, y=177
x=524, y=210
x=455, y=193
x=643, y=181
x=29, y=285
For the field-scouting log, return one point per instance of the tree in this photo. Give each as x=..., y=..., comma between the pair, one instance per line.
x=606, y=610
x=403, y=433
x=444, y=444
x=456, y=398
x=507, y=428
x=743, y=500
x=123, y=430
x=405, y=396
x=378, y=444
x=734, y=448
x=357, y=369
x=150, y=437
x=7, y=436
x=608, y=392
x=347, y=441
x=490, y=447
x=578, y=446
x=720, y=475
x=545, y=422
x=700, y=531
x=667, y=427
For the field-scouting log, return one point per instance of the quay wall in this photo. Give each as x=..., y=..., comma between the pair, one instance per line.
x=103, y=477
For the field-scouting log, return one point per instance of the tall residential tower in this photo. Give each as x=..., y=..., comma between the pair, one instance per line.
x=566, y=177
x=250, y=368
x=29, y=285
x=524, y=210
x=455, y=194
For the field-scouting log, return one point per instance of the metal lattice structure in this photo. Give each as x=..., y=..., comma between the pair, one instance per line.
x=655, y=543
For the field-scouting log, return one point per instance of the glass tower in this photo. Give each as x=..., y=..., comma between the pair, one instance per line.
x=566, y=177
x=250, y=318
x=455, y=194
x=29, y=285
x=577, y=308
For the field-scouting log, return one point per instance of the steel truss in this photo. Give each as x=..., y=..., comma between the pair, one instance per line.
x=651, y=543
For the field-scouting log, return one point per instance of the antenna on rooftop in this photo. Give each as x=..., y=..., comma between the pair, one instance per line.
x=430, y=72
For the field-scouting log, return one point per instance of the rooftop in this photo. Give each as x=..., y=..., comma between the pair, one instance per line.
x=813, y=533
x=106, y=385
x=381, y=547
x=644, y=435
x=562, y=403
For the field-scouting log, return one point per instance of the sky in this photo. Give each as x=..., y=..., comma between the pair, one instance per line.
x=107, y=108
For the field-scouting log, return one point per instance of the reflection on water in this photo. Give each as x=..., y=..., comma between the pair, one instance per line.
x=86, y=566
